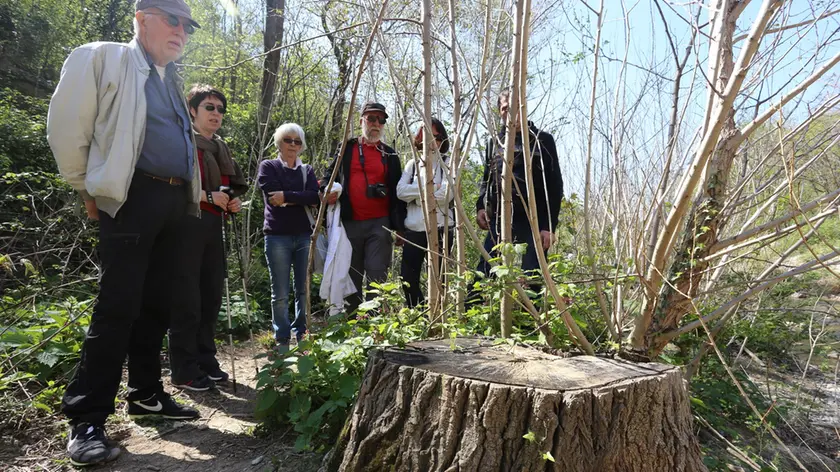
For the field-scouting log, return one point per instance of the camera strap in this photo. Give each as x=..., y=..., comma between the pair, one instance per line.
x=362, y=160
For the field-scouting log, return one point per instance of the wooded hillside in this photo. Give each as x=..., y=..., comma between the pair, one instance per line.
x=698, y=143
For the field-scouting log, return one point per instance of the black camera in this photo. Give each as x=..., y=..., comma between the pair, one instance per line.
x=377, y=191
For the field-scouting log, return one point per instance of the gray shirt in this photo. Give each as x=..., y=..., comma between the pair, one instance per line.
x=167, y=148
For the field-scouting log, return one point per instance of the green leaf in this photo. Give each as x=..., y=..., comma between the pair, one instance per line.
x=531, y=437
x=303, y=442
x=267, y=399
x=347, y=385
x=299, y=408
x=15, y=339
x=547, y=456
x=500, y=271
x=698, y=402
x=305, y=365
x=6, y=381
x=47, y=358
x=369, y=305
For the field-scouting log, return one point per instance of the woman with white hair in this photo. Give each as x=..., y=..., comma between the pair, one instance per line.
x=289, y=186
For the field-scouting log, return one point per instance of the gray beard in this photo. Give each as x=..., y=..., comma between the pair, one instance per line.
x=365, y=134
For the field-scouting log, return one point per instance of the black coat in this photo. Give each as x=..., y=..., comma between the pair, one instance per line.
x=394, y=172
x=548, y=180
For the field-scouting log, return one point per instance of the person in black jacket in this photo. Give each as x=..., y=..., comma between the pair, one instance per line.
x=369, y=173
x=548, y=191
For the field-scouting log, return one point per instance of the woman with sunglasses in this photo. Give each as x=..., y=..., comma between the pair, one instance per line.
x=289, y=187
x=408, y=190
x=192, y=344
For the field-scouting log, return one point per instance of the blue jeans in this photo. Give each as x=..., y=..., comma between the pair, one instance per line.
x=282, y=253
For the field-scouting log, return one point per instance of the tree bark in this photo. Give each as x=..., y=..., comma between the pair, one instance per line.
x=273, y=36
x=480, y=407
x=506, y=216
x=345, y=69
x=704, y=223
x=430, y=158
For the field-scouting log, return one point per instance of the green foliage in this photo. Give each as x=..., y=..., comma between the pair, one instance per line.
x=23, y=147
x=36, y=36
x=315, y=384
x=717, y=399
x=42, y=343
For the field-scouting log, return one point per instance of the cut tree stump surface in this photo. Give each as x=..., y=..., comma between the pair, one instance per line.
x=522, y=366
x=484, y=407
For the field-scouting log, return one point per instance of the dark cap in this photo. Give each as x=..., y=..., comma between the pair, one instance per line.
x=373, y=106
x=173, y=7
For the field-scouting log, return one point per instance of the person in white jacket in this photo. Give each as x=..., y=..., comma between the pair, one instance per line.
x=408, y=190
x=122, y=137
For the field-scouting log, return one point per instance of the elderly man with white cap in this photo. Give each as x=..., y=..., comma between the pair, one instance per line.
x=120, y=131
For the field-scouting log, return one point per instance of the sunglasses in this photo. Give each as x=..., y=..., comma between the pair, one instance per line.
x=220, y=108
x=438, y=137
x=174, y=21
x=296, y=142
x=374, y=119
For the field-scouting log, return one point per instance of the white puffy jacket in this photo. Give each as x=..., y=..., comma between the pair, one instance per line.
x=408, y=190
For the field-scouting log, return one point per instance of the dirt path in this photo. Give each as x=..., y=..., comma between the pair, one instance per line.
x=223, y=440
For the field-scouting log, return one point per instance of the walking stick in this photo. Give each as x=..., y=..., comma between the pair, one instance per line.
x=241, y=258
x=227, y=290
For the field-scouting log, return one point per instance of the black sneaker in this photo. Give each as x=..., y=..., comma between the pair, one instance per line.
x=88, y=445
x=161, y=404
x=218, y=375
x=201, y=384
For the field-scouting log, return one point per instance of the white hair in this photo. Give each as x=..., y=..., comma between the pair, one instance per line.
x=136, y=27
x=286, y=129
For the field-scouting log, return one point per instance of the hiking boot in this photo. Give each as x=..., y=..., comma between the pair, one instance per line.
x=161, y=404
x=88, y=445
x=201, y=384
x=218, y=375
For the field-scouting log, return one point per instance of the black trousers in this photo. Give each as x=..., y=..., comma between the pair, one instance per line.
x=141, y=270
x=192, y=332
x=412, y=262
x=521, y=234
x=530, y=262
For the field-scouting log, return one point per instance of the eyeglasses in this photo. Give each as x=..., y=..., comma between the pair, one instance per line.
x=374, y=119
x=174, y=21
x=296, y=142
x=220, y=108
x=438, y=137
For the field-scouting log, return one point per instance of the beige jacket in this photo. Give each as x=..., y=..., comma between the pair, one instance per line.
x=97, y=122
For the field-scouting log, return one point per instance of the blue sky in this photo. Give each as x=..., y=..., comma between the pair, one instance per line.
x=566, y=96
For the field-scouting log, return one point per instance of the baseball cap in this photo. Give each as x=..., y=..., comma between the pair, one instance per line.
x=373, y=106
x=173, y=7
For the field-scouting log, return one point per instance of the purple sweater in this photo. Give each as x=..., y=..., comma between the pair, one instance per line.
x=290, y=219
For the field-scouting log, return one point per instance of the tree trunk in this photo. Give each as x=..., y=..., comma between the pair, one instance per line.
x=506, y=214
x=480, y=407
x=430, y=157
x=338, y=101
x=704, y=223
x=237, y=22
x=273, y=37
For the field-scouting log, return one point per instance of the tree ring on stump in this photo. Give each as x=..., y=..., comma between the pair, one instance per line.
x=470, y=405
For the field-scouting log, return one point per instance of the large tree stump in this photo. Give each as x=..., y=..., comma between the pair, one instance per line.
x=429, y=407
